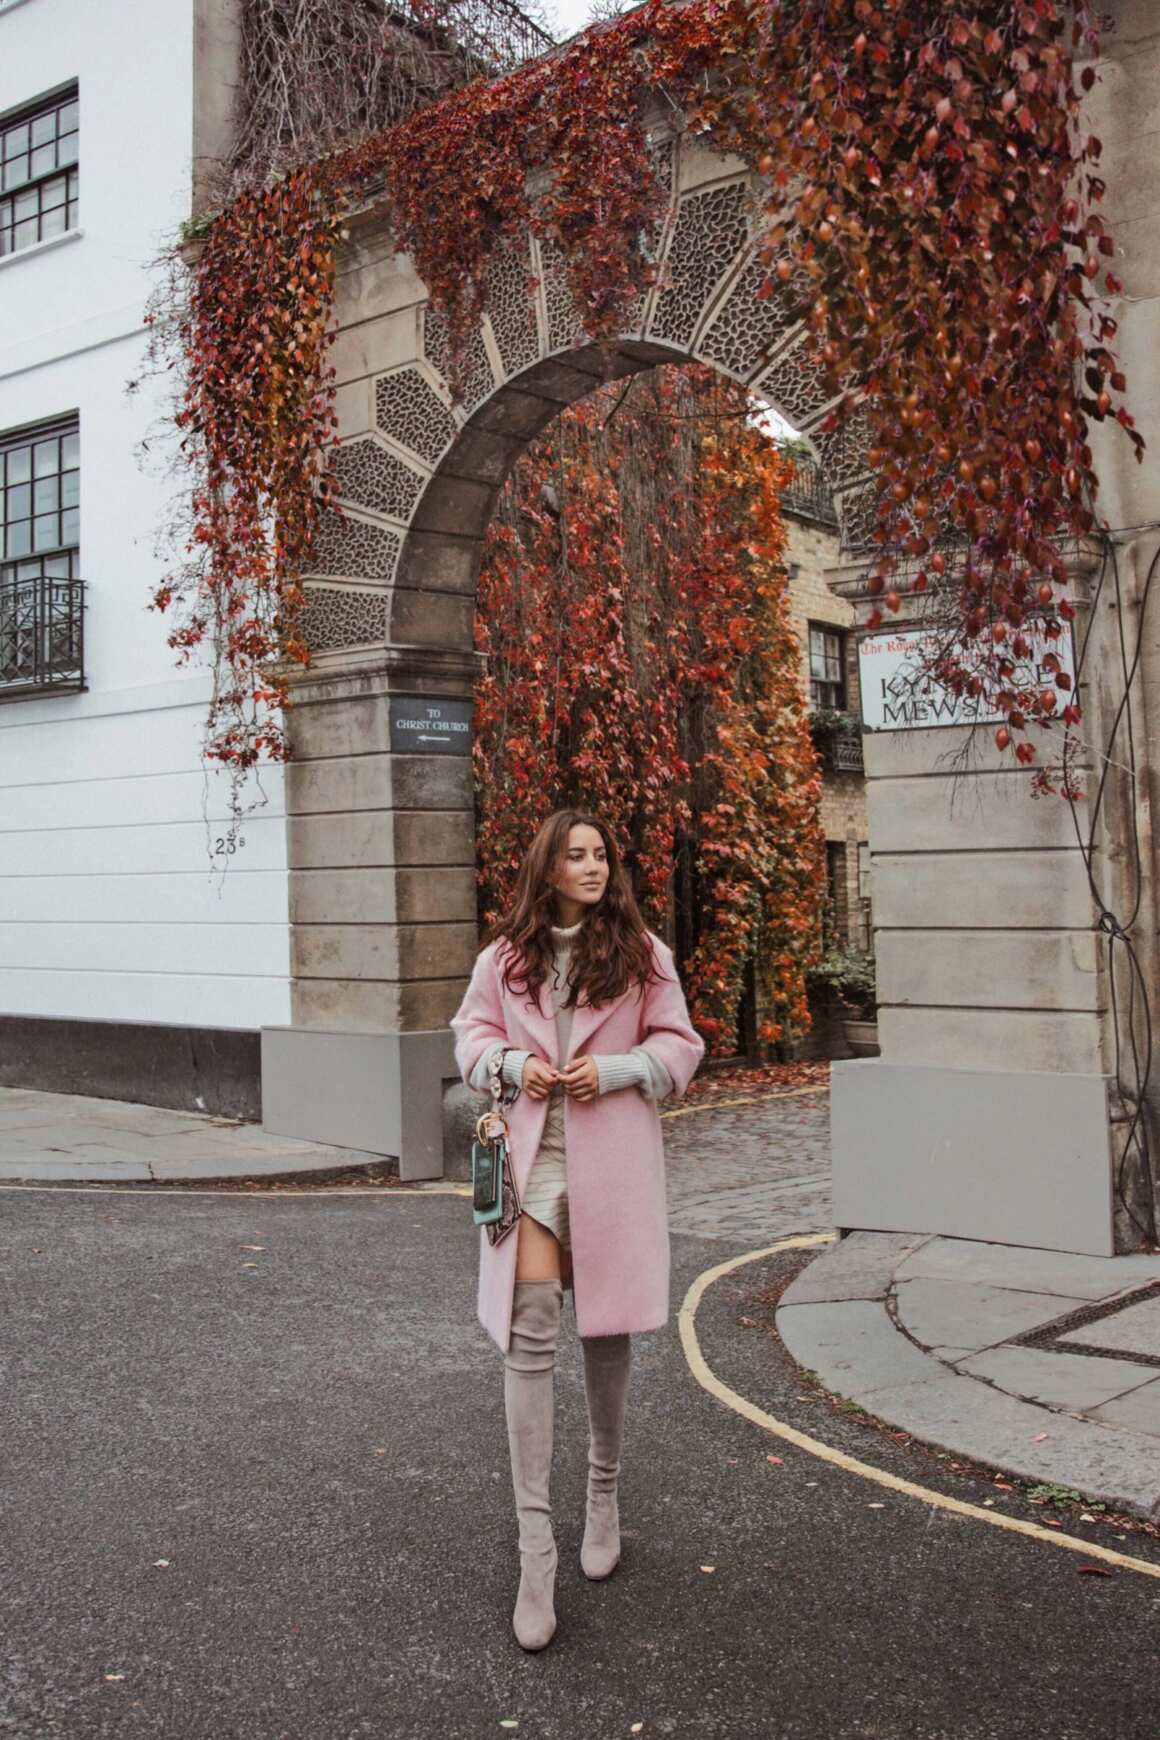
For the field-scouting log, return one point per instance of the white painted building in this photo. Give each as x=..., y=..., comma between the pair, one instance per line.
x=111, y=909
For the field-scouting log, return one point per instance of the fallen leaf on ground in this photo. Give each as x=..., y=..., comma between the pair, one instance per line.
x=253, y=1247
x=708, y=1567
x=636, y=1728
x=1040, y=1437
x=161, y=1561
x=1095, y=1570
x=875, y=1507
x=776, y=1459
x=114, y=1676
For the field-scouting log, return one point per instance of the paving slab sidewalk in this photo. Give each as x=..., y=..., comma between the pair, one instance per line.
x=71, y=1138
x=1043, y=1364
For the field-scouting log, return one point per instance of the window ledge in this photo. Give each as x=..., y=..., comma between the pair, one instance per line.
x=49, y=242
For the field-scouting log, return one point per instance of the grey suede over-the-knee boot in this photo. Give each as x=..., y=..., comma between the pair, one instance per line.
x=607, y=1363
x=529, y=1378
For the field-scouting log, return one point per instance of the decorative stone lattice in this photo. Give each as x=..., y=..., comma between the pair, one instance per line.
x=564, y=325
x=410, y=411
x=843, y=453
x=511, y=309
x=745, y=330
x=480, y=382
x=857, y=512
x=336, y=616
x=662, y=154
x=710, y=232
x=353, y=549
x=795, y=385
x=370, y=477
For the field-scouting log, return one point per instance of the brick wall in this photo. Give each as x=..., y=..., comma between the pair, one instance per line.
x=810, y=550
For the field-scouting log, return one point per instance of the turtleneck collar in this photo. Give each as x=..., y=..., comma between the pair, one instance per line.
x=563, y=936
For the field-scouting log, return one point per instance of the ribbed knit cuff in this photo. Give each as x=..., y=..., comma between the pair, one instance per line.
x=513, y=1067
x=620, y=1069
x=660, y=1083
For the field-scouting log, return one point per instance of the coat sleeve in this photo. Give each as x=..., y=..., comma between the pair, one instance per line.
x=666, y=1030
x=478, y=1024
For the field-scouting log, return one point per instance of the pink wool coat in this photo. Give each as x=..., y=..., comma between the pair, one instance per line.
x=615, y=1156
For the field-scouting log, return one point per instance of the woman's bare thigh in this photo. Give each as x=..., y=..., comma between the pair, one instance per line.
x=538, y=1254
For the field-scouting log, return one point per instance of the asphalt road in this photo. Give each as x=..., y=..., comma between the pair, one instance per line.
x=310, y=1436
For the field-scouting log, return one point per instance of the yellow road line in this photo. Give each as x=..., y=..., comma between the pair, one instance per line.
x=764, y=1099
x=686, y=1323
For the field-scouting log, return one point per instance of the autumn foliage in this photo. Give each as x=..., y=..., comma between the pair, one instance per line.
x=928, y=194
x=633, y=609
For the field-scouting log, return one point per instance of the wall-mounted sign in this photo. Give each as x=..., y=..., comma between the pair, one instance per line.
x=898, y=694
x=426, y=725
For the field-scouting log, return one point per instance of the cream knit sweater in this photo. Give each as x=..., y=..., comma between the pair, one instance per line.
x=638, y=1068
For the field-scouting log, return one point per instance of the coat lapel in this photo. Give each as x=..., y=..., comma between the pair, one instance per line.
x=588, y=1018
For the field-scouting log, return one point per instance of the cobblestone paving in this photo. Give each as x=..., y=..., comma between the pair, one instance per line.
x=755, y=1172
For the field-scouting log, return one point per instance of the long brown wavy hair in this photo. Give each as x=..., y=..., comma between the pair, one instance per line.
x=612, y=951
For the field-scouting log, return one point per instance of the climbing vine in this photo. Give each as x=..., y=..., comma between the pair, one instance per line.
x=640, y=662
x=929, y=212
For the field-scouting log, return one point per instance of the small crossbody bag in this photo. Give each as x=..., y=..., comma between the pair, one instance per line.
x=495, y=1203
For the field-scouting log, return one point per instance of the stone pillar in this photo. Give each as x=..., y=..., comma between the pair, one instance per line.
x=382, y=908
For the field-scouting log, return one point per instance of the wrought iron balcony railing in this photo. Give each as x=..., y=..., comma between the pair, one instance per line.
x=846, y=755
x=41, y=635
x=837, y=738
x=808, y=496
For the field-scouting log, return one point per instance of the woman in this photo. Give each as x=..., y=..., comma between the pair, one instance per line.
x=593, y=1057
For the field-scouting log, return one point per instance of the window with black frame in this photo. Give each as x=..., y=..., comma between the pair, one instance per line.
x=827, y=667
x=39, y=178
x=41, y=604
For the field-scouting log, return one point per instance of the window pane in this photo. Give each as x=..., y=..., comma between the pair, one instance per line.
x=19, y=464
x=25, y=204
x=70, y=526
x=46, y=532
x=43, y=127
x=44, y=160
x=15, y=173
x=53, y=223
x=16, y=141
x=60, y=567
x=47, y=458
x=70, y=451
x=54, y=192
x=47, y=496
x=19, y=541
x=66, y=151
x=24, y=235
x=69, y=118
x=19, y=502
x=70, y=489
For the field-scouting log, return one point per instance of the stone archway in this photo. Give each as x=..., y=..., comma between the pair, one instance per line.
x=382, y=839
x=995, y=1027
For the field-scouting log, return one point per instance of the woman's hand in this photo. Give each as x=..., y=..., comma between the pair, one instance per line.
x=581, y=1078
x=539, y=1078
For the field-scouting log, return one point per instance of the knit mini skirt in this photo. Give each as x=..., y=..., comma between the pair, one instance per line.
x=546, y=1193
